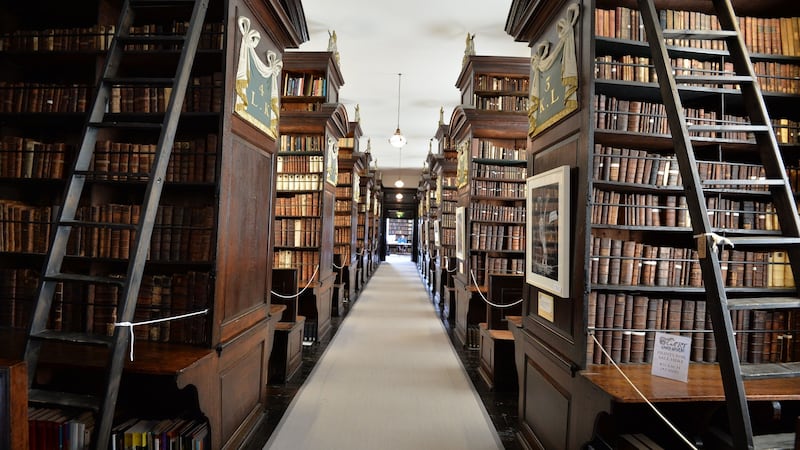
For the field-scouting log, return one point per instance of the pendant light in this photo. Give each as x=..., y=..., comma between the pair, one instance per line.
x=398, y=140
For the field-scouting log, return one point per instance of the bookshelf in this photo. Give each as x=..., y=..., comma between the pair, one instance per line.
x=306, y=181
x=430, y=205
x=630, y=231
x=444, y=166
x=351, y=163
x=375, y=217
x=221, y=172
x=490, y=178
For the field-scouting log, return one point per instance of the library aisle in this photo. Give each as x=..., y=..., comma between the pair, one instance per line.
x=389, y=379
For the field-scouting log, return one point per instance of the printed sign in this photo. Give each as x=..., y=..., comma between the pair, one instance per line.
x=671, y=356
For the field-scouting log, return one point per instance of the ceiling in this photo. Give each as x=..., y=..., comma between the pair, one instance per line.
x=424, y=40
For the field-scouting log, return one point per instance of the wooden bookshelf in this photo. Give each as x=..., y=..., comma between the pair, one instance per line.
x=306, y=186
x=490, y=178
x=219, y=176
x=630, y=232
x=444, y=166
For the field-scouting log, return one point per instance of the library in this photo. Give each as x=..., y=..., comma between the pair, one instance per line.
x=528, y=224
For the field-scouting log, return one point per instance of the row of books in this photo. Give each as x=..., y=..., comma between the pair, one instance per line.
x=24, y=228
x=55, y=428
x=93, y=308
x=486, y=237
x=306, y=85
x=300, y=163
x=298, y=205
x=488, y=150
x=32, y=97
x=772, y=76
x=636, y=116
x=496, y=83
x=96, y=37
x=632, y=263
x=180, y=233
x=22, y=157
x=298, y=182
x=626, y=324
x=301, y=143
x=296, y=106
x=499, y=172
x=203, y=94
x=761, y=34
x=343, y=206
x=161, y=434
x=297, y=232
x=501, y=189
x=654, y=210
x=342, y=236
x=448, y=221
x=344, y=193
x=498, y=213
x=483, y=265
x=306, y=262
x=343, y=249
x=344, y=178
x=211, y=38
x=448, y=205
x=511, y=103
x=191, y=161
x=628, y=165
x=448, y=236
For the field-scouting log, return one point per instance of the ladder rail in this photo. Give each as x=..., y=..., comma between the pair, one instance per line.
x=738, y=414
x=152, y=197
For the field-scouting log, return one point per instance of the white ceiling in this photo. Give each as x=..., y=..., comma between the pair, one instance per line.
x=422, y=39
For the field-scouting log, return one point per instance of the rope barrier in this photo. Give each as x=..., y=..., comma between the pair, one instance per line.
x=311, y=280
x=337, y=267
x=130, y=325
x=658, y=413
x=475, y=282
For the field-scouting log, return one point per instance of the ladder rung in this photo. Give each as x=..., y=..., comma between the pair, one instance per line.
x=729, y=128
x=140, y=81
x=770, y=370
x=768, y=241
x=113, y=226
x=128, y=125
x=84, y=278
x=763, y=303
x=747, y=182
x=152, y=39
x=156, y=3
x=73, y=337
x=773, y=441
x=705, y=35
x=713, y=79
x=107, y=176
x=66, y=399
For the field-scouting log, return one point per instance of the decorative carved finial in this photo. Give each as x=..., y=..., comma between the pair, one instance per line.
x=358, y=114
x=469, y=49
x=430, y=147
x=332, y=47
x=369, y=146
x=441, y=115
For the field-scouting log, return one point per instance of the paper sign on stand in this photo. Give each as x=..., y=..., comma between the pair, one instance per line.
x=671, y=356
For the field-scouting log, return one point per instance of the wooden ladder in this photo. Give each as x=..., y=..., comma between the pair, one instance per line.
x=153, y=127
x=720, y=301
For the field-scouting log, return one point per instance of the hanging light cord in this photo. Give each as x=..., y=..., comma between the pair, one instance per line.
x=399, y=77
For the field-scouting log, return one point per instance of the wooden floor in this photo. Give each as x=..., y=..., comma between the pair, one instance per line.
x=390, y=378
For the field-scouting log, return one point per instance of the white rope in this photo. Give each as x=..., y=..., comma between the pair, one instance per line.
x=311, y=280
x=148, y=322
x=475, y=282
x=337, y=267
x=658, y=413
x=451, y=271
x=717, y=239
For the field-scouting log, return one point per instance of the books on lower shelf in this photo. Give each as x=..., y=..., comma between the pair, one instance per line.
x=625, y=325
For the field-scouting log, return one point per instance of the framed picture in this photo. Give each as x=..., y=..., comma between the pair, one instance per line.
x=547, y=226
x=460, y=232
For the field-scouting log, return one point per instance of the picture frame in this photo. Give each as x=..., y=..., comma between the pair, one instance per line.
x=460, y=232
x=547, y=226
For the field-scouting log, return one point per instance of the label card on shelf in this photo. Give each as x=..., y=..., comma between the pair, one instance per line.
x=671, y=356
x=545, y=308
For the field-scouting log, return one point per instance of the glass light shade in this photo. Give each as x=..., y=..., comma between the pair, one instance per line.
x=399, y=183
x=397, y=139
x=398, y=196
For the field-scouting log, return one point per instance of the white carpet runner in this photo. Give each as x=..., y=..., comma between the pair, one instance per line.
x=389, y=379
